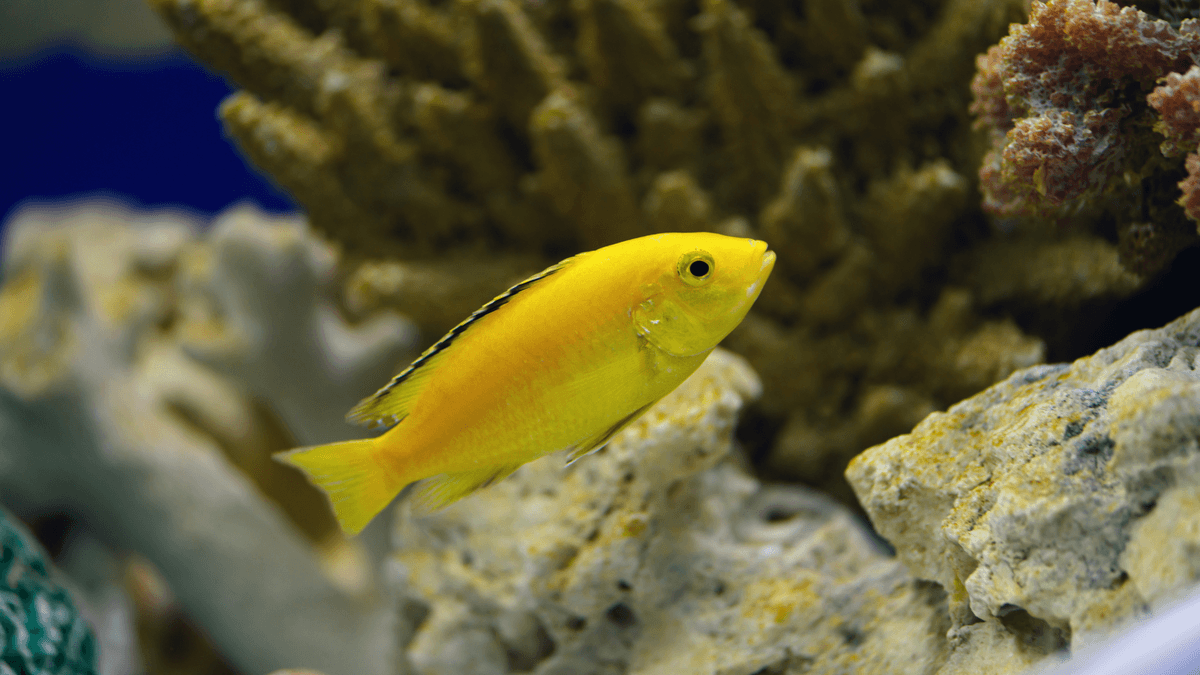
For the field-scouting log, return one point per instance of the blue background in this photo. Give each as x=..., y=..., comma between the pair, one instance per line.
x=141, y=131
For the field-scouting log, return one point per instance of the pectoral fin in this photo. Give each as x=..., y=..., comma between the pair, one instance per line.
x=442, y=490
x=596, y=442
x=665, y=324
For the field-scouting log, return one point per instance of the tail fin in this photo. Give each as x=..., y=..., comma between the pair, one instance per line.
x=351, y=475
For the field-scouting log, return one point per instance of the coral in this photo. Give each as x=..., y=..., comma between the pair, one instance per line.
x=113, y=28
x=805, y=223
x=1052, y=91
x=948, y=344
x=398, y=123
x=1067, y=104
x=1053, y=273
x=104, y=416
x=442, y=293
x=1058, y=504
x=40, y=628
x=1190, y=201
x=1177, y=102
x=259, y=306
x=581, y=173
x=492, y=138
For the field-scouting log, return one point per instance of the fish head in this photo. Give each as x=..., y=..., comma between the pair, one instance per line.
x=700, y=287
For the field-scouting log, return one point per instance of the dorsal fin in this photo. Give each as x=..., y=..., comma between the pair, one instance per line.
x=392, y=403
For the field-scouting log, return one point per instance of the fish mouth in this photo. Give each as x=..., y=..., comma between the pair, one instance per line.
x=764, y=271
x=768, y=264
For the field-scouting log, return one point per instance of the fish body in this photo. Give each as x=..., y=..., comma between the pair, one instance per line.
x=561, y=361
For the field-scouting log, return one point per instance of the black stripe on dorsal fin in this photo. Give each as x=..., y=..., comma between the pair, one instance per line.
x=392, y=403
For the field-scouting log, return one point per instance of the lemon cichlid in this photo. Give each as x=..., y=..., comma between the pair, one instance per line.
x=561, y=361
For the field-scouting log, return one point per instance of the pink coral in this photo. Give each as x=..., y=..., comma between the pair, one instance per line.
x=1190, y=201
x=1177, y=101
x=1053, y=95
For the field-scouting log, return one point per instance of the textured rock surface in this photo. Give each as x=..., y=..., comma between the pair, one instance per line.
x=103, y=416
x=659, y=555
x=1167, y=642
x=1057, y=505
x=41, y=631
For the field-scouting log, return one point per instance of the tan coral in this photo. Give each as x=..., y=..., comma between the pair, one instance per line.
x=427, y=135
x=583, y=174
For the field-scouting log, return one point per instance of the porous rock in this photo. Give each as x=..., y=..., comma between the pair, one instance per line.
x=658, y=554
x=1058, y=505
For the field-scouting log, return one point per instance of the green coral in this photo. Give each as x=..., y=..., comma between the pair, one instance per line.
x=41, y=631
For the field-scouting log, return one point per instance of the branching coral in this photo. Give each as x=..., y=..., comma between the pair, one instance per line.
x=1064, y=100
x=260, y=304
x=397, y=123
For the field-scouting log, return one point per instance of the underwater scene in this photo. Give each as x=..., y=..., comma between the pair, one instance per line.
x=600, y=337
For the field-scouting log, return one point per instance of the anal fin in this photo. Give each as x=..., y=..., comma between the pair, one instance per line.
x=596, y=442
x=444, y=489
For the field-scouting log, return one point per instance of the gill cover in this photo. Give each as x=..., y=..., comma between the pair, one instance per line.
x=669, y=327
x=666, y=322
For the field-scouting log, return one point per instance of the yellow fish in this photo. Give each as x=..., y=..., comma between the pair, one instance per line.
x=561, y=361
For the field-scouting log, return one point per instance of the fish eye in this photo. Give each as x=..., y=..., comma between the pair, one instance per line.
x=696, y=267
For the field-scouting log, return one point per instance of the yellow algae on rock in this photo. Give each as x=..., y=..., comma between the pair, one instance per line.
x=1058, y=501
